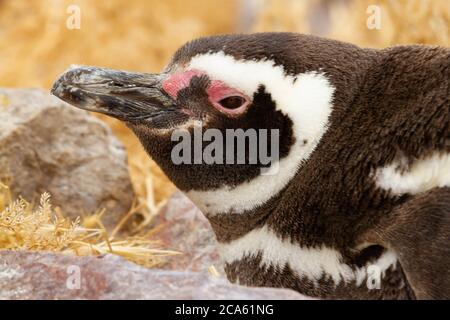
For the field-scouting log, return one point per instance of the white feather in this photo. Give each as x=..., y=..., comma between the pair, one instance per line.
x=424, y=174
x=312, y=263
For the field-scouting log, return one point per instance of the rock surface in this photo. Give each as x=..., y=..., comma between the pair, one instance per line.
x=182, y=227
x=32, y=275
x=47, y=145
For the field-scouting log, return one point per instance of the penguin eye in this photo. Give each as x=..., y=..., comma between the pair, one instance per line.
x=232, y=103
x=226, y=99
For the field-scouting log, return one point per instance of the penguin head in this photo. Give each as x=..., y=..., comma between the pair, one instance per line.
x=273, y=89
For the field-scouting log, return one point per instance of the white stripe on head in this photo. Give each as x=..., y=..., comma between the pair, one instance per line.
x=422, y=175
x=305, y=98
x=313, y=263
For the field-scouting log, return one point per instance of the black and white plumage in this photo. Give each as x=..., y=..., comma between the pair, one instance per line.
x=364, y=169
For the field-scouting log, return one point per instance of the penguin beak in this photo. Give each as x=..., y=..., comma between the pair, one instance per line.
x=127, y=96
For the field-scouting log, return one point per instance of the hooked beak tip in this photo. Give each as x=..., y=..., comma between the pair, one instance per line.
x=56, y=88
x=66, y=79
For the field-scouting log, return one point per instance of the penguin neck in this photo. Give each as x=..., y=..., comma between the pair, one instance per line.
x=232, y=225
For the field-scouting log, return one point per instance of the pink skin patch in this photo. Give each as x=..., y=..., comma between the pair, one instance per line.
x=217, y=90
x=179, y=81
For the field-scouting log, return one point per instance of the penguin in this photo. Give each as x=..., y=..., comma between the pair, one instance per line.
x=359, y=204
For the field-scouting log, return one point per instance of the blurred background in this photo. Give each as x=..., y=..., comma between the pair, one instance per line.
x=39, y=39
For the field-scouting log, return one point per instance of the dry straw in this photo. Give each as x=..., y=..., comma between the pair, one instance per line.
x=402, y=21
x=24, y=226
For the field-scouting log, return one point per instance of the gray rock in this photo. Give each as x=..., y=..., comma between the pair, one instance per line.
x=47, y=145
x=182, y=227
x=33, y=275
